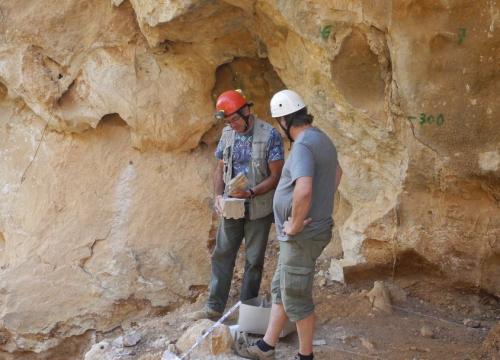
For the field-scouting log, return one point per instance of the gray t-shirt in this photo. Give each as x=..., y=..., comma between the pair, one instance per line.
x=313, y=154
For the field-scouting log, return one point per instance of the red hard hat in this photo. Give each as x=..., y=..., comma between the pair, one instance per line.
x=230, y=101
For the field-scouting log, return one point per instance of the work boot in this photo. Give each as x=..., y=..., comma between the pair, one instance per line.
x=253, y=352
x=204, y=313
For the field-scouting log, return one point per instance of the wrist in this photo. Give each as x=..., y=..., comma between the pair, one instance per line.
x=296, y=228
x=292, y=231
x=251, y=193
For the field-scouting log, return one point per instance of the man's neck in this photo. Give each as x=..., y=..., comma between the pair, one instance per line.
x=296, y=131
x=251, y=122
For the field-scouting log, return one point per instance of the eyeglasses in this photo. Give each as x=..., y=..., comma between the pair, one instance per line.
x=219, y=116
x=232, y=119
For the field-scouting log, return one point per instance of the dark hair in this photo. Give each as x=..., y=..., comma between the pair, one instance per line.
x=299, y=118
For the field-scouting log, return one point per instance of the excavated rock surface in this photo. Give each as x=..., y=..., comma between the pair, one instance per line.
x=106, y=143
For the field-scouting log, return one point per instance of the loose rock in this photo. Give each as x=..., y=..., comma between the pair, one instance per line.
x=379, y=297
x=426, y=331
x=368, y=345
x=319, y=342
x=472, y=323
x=414, y=348
x=131, y=339
x=218, y=342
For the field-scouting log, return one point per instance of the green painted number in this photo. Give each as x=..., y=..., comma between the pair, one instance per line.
x=422, y=118
x=462, y=33
x=325, y=32
x=440, y=120
x=428, y=119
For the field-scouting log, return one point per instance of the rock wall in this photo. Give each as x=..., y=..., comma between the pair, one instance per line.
x=107, y=140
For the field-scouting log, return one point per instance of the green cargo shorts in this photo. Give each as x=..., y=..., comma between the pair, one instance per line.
x=294, y=275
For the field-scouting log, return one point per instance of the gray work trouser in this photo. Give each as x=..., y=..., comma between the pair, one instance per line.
x=229, y=237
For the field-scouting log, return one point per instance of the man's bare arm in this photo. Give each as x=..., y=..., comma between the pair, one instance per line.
x=218, y=186
x=301, y=204
x=272, y=180
x=267, y=184
x=218, y=178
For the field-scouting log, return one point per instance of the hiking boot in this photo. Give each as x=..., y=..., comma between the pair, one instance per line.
x=253, y=352
x=204, y=314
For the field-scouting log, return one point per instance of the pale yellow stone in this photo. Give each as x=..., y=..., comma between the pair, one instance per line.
x=233, y=208
x=219, y=341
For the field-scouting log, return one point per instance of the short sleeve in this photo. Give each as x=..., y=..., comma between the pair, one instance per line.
x=302, y=162
x=220, y=148
x=275, y=150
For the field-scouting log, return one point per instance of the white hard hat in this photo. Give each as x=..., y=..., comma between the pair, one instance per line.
x=286, y=102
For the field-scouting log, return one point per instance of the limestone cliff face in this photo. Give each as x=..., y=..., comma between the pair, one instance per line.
x=107, y=138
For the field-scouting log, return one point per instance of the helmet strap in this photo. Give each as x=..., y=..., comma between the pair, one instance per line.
x=246, y=118
x=287, y=129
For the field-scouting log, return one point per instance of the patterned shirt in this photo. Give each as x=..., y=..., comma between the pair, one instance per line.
x=242, y=150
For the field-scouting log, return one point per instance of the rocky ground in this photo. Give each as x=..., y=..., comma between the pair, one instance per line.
x=429, y=318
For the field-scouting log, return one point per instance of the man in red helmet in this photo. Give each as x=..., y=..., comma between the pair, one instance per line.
x=250, y=146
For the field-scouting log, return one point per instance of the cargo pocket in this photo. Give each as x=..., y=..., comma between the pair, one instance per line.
x=297, y=281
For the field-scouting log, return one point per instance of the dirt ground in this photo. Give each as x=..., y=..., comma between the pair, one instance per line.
x=427, y=321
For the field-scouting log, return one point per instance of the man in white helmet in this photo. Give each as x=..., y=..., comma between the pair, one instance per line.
x=303, y=206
